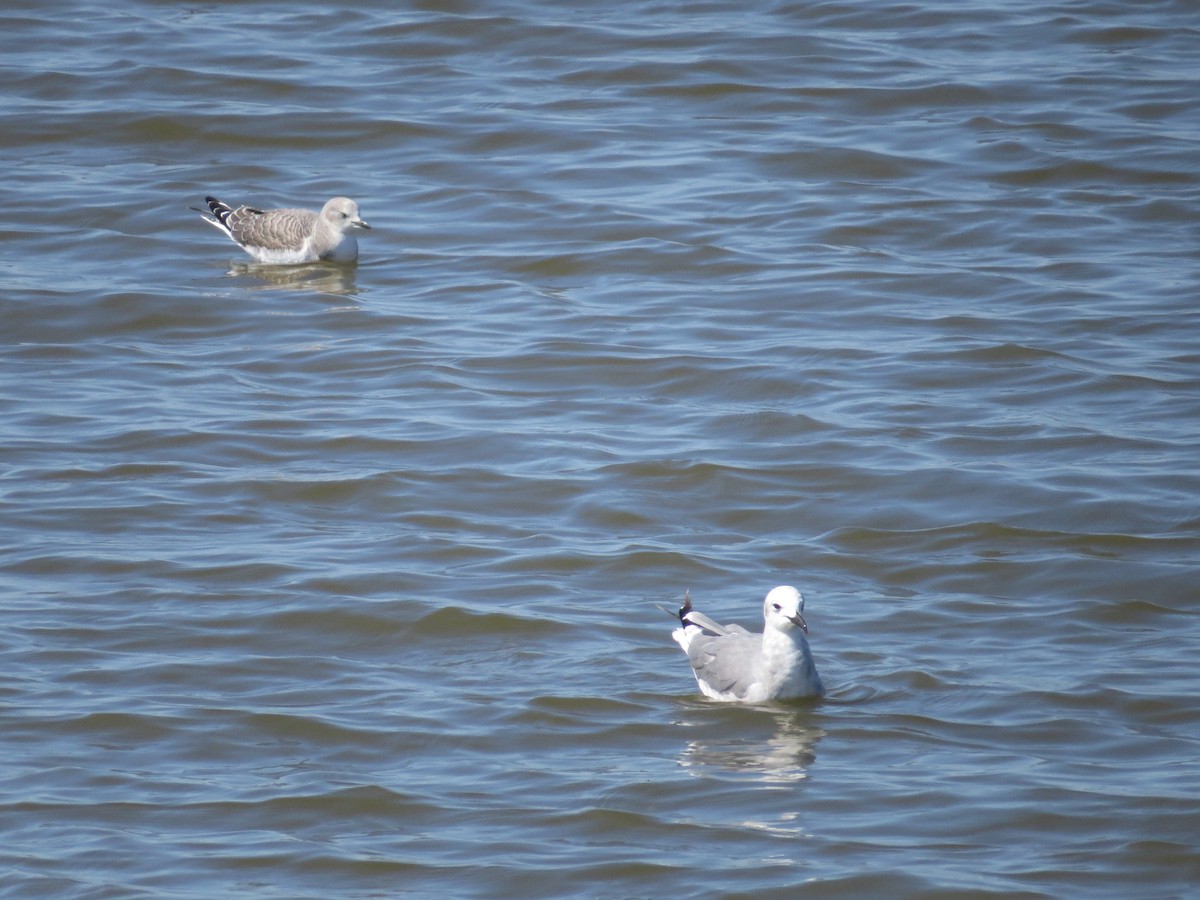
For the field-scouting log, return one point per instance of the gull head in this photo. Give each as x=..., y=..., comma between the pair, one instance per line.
x=342, y=214
x=784, y=609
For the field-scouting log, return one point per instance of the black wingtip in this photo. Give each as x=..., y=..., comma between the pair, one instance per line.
x=220, y=211
x=687, y=606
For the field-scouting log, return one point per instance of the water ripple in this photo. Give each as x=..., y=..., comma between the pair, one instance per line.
x=342, y=580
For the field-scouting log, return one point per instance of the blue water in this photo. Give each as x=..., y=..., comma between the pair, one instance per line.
x=342, y=580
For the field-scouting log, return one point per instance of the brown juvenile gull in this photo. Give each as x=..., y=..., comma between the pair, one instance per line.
x=287, y=236
x=733, y=664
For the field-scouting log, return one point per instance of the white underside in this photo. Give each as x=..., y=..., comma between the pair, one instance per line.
x=756, y=694
x=345, y=251
x=279, y=257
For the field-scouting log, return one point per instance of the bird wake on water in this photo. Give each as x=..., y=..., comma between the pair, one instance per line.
x=290, y=236
x=736, y=665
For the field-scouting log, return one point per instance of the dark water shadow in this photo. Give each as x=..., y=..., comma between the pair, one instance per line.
x=771, y=744
x=325, y=278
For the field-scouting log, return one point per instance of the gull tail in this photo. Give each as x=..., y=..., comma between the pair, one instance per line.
x=216, y=214
x=697, y=619
x=219, y=212
x=682, y=611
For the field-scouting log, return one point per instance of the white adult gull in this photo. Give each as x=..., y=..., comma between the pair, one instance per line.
x=736, y=665
x=289, y=236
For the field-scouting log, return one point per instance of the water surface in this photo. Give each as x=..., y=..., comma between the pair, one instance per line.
x=342, y=581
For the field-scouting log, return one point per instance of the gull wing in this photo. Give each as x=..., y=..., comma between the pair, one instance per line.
x=276, y=229
x=728, y=663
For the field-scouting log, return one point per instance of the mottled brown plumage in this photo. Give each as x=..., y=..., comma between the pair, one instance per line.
x=288, y=236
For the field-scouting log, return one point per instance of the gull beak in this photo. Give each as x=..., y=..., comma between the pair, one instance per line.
x=359, y=223
x=798, y=621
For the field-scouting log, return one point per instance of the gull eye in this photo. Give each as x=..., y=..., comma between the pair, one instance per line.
x=776, y=607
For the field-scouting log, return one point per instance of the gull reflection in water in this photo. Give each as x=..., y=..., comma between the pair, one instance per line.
x=325, y=278
x=783, y=757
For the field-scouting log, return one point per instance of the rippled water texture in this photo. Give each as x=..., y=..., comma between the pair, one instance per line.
x=341, y=581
